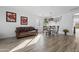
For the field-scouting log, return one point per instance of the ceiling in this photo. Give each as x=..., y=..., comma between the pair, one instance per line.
x=46, y=11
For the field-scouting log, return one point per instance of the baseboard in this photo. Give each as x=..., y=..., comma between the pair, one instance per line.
x=8, y=37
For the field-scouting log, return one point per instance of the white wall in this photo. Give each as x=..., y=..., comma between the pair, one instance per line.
x=7, y=29
x=66, y=23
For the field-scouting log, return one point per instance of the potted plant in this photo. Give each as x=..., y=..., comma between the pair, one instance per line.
x=65, y=31
x=45, y=22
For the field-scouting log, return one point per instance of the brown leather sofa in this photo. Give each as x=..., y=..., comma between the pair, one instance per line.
x=25, y=31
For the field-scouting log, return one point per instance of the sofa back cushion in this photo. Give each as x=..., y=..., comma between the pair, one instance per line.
x=24, y=29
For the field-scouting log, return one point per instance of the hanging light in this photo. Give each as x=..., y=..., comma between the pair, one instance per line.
x=50, y=18
x=57, y=19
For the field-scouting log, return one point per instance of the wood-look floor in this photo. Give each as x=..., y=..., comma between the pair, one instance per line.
x=43, y=43
x=59, y=43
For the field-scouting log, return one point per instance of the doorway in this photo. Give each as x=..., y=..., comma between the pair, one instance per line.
x=76, y=25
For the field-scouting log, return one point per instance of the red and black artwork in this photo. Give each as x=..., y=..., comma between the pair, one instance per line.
x=10, y=17
x=24, y=20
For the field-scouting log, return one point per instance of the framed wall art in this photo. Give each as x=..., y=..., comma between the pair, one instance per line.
x=10, y=17
x=24, y=20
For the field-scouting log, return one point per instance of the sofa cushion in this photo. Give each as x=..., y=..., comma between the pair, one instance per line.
x=24, y=29
x=31, y=28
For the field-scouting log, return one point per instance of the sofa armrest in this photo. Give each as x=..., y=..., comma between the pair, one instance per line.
x=36, y=30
